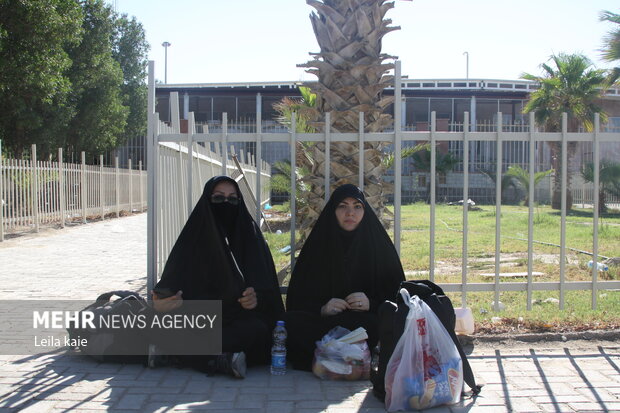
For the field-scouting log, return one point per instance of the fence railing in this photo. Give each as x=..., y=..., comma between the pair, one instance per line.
x=180, y=174
x=157, y=224
x=35, y=193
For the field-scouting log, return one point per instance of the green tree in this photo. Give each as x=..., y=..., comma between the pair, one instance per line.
x=444, y=163
x=572, y=86
x=611, y=46
x=609, y=180
x=130, y=50
x=302, y=107
x=34, y=35
x=281, y=180
x=507, y=181
x=523, y=178
x=100, y=116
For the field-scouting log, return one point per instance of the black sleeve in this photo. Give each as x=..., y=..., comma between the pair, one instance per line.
x=301, y=295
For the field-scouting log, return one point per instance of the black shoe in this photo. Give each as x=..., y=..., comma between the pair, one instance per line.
x=238, y=365
x=230, y=363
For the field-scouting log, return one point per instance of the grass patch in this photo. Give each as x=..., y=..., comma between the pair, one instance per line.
x=577, y=313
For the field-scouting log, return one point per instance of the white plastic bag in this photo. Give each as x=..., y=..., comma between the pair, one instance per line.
x=338, y=356
x=425, y=369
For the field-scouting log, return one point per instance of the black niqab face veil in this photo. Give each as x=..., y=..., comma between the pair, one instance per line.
x=206, y=267
x=334, y=263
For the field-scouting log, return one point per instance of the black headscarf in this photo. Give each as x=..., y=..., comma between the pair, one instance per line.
x=204, y=266
x=334, y=263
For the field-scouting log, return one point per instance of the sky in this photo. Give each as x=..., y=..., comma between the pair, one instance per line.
x=215, y=41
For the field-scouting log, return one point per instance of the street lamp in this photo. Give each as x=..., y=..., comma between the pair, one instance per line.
x=466, y=65
x=166, y=45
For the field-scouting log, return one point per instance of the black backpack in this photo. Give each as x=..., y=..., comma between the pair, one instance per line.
x=392, y=318
x=120, y=345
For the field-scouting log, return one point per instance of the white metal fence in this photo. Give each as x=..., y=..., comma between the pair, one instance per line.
x=159, y=223
x=36, y=193
x=179, y=181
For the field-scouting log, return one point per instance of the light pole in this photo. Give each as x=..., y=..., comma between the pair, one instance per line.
x=466, y=65
x=166, y=45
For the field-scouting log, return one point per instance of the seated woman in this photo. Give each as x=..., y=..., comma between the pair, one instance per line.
x=222, y=255
x=346, y=269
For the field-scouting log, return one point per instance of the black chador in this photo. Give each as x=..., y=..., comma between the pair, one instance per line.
x=335, y=263
x=218, y=255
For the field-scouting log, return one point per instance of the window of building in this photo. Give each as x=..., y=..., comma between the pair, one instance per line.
x=418, y=115
x=443, y=112
x=224, y=104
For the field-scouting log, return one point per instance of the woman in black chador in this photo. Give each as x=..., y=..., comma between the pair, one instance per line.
x=346, y=269
x=222, y=255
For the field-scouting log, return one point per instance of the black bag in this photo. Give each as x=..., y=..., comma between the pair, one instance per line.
x=392, y=318
x=120, y=345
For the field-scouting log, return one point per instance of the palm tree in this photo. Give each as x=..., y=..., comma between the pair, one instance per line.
x=611, y=48
x=507, y=181
x=280, y=181
x=352, y=75
x=572, y=86
x=609, y=180
x=302, y=107
x=523, y=178
x=444, y=163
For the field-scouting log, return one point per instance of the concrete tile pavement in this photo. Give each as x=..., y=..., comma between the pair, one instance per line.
x=82, y=261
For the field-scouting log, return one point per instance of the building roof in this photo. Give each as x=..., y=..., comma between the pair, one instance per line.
x=435, y=85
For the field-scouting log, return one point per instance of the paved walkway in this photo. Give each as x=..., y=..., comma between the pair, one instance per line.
x=82, y=261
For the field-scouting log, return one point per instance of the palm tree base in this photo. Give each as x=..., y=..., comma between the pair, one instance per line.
x=556, y=201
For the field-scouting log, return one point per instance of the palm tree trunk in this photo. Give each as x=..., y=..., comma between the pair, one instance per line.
x=556, y=156
x=351, y=78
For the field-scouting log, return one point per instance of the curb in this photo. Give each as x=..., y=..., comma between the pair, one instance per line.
x=612, y=335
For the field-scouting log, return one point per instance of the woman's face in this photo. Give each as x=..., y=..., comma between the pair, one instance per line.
x=225, y=191
x=349, y=213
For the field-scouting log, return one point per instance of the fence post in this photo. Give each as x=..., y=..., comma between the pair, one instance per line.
x=259, y=154
x=61, y=184
x=83, y=187
x=328, y=125
x=360, y=152
x=530, y=220
x=596, y=165
x=141, y=191
x=35, y=188
x=397, y=149
x=293, y=207
x=1, y=198
x=563, y=209
x=130, y=187
x=433, y=195
x=117, y=189
x=101, y=191
x=498, y=207
x=465, y=207
x=224, y=142
x=191, y=129
x=152, y=159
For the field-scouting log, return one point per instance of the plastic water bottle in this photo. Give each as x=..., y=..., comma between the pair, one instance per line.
x=278, y=350
x=599, y=266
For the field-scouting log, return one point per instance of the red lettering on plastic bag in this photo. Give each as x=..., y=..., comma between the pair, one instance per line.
x=421, y=326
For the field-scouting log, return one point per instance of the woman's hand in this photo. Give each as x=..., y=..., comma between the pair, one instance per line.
x=334, y=306
x=248, y=299
x=358, y=301
x=164, y=305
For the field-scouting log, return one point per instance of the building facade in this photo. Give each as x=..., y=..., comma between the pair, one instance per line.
x=450, y=99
